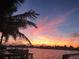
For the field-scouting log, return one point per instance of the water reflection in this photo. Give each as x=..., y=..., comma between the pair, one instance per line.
x=49, y=53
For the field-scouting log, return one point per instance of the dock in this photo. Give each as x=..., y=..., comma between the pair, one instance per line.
x=15, y=53
x=66, y=56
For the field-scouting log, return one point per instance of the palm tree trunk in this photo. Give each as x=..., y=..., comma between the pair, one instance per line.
x=25, y=38
x=1, y=39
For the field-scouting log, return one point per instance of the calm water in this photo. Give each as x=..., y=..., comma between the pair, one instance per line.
x=50, y=53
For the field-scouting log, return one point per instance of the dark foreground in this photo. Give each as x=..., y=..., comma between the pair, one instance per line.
x=14, y=53
x=22, y=52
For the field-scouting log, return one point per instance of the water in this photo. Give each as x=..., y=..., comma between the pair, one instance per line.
x=50, y=53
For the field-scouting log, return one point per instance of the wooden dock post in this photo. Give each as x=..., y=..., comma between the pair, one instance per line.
x=65, y=57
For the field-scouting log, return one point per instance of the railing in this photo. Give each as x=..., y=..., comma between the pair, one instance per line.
x=68, y=56
x=16, y=54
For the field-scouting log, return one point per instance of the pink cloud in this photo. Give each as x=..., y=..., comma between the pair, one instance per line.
x=46, y=26
x=49, y=28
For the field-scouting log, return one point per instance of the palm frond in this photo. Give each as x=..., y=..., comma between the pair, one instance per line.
x=14, y=35
x=30, y=14
x=6, y=38
x=23, y=36
x=9, y=25
x=1, y=39
x=31, y=24
x=8, y=7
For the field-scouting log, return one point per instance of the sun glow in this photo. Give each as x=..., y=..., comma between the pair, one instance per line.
x=54, y=41
x=46, y=41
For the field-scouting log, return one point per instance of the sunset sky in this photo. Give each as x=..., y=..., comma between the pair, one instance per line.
x=58, y=22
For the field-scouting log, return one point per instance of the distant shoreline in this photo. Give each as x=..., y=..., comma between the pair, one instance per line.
x=56, y=48
x=47, y=47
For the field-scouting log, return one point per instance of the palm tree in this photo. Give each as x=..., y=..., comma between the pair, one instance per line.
x=9, y=25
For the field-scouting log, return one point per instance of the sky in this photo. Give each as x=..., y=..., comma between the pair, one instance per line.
x=58, y=22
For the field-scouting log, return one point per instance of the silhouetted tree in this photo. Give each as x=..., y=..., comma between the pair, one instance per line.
x=9, y=25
